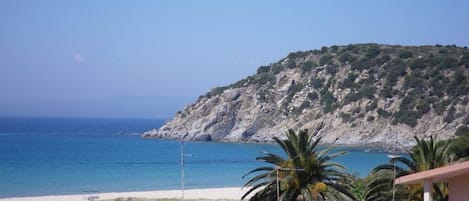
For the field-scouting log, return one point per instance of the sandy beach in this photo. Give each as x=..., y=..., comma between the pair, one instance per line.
x=233, y=193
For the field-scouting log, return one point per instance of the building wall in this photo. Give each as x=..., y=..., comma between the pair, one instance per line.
x=459, y=188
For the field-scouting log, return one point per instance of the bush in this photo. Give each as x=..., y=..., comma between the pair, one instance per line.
x=263, y=69
x=299, y=110
x=370, y=118
x=346, y=57
x=332, y=69
x=383, y=59
x=372, y=106
x=298, y=54
x=313, y=96
x=423, y=107
x=328, y=100
x=346, y=117
x=465, y=59
x=460, y=146
x=441, y=107
x=295, y=88
x=307, y=66
x=264, y=79
x=386, y=92
x=326, y=59
x=466, y=119
x=462, y=130
x=324, y=49
x=383, y=113
x=450, y=114
x=349, y=81
x=405, y=116
x=418, y=63
x=405, y=54
x=459, y=85
x=276, y=68
x=317, y=83
x=372, y=51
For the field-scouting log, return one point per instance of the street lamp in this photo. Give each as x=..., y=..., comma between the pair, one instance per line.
x=278, y=183
x=182, y=166
x=392, y=157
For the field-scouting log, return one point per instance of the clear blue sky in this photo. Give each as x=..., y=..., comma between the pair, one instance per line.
x=150, y=58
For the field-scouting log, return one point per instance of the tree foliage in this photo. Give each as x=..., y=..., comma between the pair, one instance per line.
x=306, y=172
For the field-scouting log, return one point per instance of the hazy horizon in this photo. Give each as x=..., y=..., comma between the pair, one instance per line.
x=148, y=59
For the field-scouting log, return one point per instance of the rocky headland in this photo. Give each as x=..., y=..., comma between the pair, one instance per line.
x=356, y=95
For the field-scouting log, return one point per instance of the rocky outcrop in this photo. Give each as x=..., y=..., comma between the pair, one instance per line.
x=362, y=95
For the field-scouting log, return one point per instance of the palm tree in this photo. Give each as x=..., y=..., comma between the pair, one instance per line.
x=426, y=155
x=306, y=173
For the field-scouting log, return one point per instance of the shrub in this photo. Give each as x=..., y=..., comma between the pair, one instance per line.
x=264, y=79
x=295, y=88
x=383, y=113
x=307, y=66
x=346, y=117
x=324, y=49
x=372, y=51
x=372, y=106
x=386, y=92
x=405, y=54
x=263, y=69
x=349, y=81
x=313, y=96
x=332, y=69
x=460, y=146
x=466, y=119
x=383, y=59
x=334, y=48
x=450, y=114
x=326, y=59
x=418, y=63
x=276, y=68
x=370, y=118
x=458, y=85
x=462, y=130
x=317, y=83
x=299, y=110
x=441, y=106
x=353, y=48
x=405, y=116
x=298, y=54
x=345, y=56
x=291, y=64
x=423, y=107
x=328, y=100
x=465, y=59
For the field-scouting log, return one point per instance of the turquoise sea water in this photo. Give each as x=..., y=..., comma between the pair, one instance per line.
x=45, y=156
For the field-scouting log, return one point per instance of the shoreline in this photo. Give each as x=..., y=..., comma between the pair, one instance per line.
x=231, y=193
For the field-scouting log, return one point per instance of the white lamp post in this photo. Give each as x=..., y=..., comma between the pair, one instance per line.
x=182, y=166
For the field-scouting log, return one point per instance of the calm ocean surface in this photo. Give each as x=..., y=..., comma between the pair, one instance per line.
x=45, y=156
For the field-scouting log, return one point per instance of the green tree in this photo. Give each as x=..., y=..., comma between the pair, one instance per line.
x=426, y=155
x=306, y=172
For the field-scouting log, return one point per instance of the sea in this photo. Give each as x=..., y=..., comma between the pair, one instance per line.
x=55, y=156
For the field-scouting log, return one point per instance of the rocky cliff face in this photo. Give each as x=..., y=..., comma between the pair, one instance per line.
x=362, y=95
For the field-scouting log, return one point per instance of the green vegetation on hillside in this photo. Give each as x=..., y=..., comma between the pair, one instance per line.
x=421, y=78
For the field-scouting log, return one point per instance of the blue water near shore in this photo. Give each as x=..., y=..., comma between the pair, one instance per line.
x=47, y=156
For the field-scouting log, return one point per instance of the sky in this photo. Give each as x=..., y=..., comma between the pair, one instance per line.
x=148, y=59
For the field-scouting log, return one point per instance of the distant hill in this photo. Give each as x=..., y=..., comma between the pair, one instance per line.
x=362, y=94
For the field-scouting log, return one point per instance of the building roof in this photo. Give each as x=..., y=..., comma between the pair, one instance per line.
x=436, y=175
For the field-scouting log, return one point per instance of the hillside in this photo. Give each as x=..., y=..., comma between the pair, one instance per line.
x=361, y=94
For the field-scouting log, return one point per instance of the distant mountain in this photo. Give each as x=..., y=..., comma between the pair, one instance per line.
x=362, y=94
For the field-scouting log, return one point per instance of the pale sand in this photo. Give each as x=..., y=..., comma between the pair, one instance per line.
x=233, y=193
